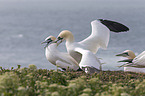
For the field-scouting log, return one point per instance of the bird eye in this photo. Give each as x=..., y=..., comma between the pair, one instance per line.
x=49, y=39
x=126, y=53
x=60, y=38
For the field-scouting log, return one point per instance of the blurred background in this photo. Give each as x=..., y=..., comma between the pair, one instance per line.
x=24, y=24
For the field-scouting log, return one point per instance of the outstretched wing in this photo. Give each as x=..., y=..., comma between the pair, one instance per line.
x=99, y=37
x=101, y=33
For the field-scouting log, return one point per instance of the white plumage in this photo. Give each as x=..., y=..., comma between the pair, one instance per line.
x=140, y=59
x=89, y=62
x=99, y=38
x=133, y=69
x=60, y=59
x=134, y=63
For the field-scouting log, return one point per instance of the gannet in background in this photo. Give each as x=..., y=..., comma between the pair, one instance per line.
x=60, y=59
x=134, y=63
x=99, y=38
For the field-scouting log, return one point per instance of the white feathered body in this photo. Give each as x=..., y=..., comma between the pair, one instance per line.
x=61, y=59
x=99, y=38
x=88, y=59
x=140, y=59
x=133, y=69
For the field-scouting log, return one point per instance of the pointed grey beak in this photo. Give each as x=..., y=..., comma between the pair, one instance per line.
x=49, y=41
x=58, y=40
x=126, y=60
x=123, y=54
x=44, y=42
x=120, y=54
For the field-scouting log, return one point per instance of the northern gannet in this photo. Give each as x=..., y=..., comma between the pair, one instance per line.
x=133, y=63
x=99, y=38
x=60, y=59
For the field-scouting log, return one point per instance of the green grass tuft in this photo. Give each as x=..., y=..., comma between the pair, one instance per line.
x=42, y=82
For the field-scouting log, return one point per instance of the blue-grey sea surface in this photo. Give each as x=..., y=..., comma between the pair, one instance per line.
x=24, y=24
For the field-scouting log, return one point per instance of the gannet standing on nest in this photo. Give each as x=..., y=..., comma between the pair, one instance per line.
x=133, y=63
x=99, y=38
x=60, y=59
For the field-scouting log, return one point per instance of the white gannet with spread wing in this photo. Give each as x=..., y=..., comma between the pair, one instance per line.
x=60, y=59
x=99, y=38
x=134, y=63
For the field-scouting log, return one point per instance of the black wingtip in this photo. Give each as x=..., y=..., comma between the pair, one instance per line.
x=114, y=26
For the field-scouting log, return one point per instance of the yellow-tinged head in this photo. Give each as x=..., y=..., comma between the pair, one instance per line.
x=49, y=40
x=65, y=35
x=52, y=38
x=128, y=54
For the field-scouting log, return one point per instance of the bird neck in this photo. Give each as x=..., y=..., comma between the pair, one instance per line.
x=132, y=56
x=69, y=40
x=53, y=46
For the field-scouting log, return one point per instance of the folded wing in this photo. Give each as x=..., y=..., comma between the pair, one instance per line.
x=88, y=59
x=64, y=60
x=140, y=59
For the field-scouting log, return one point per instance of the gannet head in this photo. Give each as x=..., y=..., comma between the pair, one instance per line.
x=65, y=35
x=49, y=40
x=128, y=54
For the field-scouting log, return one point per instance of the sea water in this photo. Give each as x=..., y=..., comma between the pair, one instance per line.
x=24, y=24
